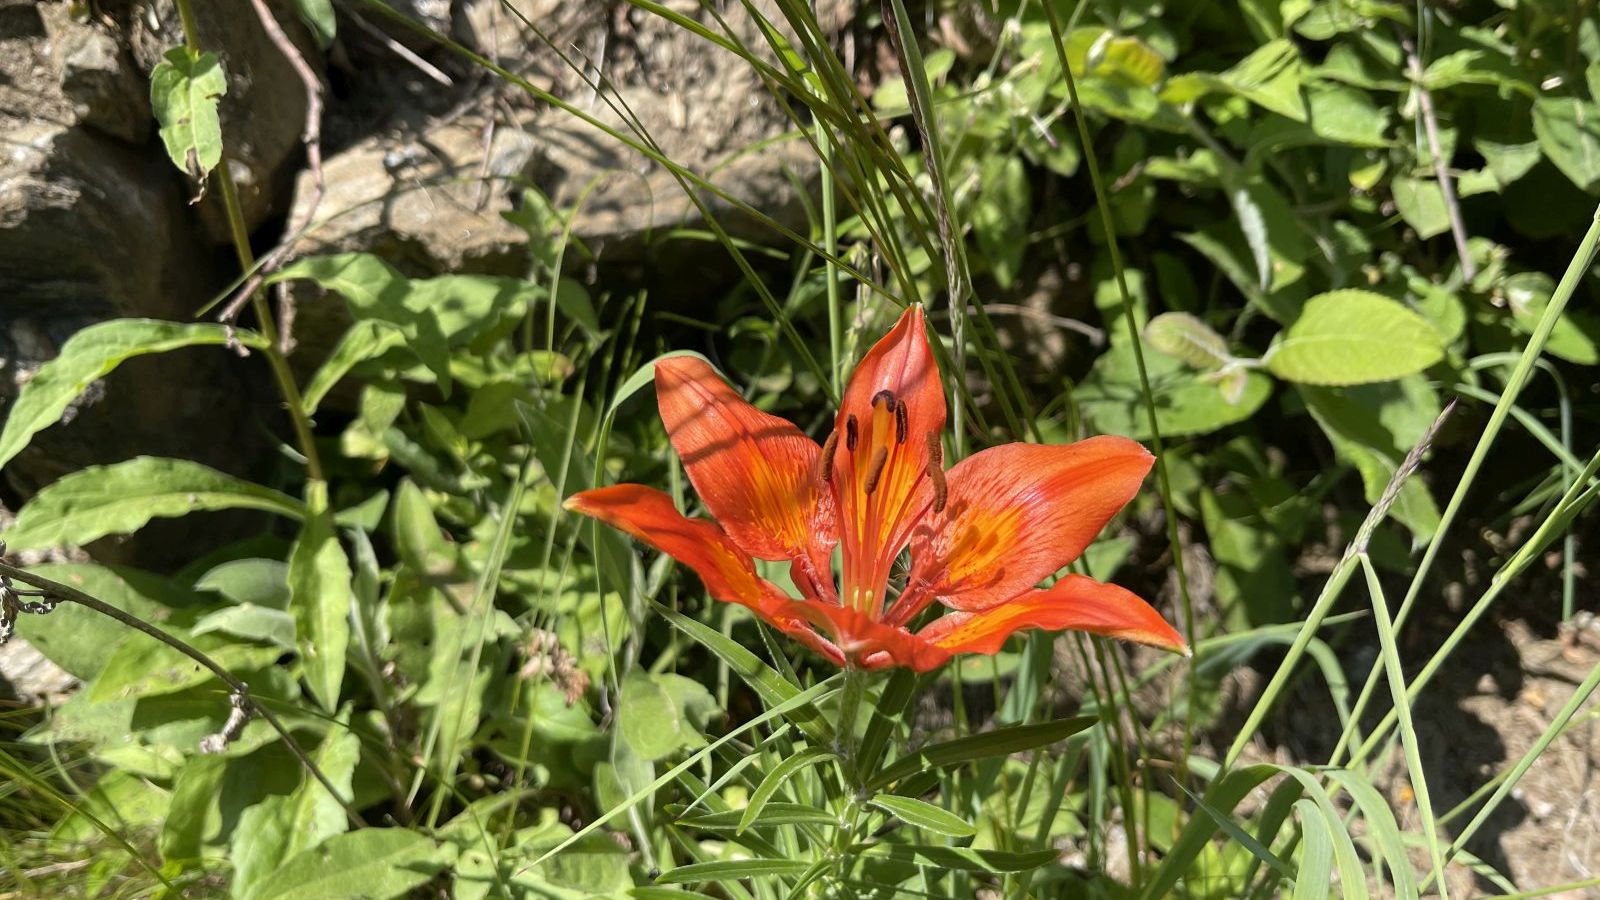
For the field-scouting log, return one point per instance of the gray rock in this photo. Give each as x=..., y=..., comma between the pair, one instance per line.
x=97, y=75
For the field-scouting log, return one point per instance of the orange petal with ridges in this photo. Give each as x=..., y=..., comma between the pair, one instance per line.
x=726, y=570
x=1076, y=602
x=887, y=430
x=756, y=473
x=1017, y=514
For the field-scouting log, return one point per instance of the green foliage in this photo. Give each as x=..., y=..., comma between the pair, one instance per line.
x=533, y=707
x=185, y=90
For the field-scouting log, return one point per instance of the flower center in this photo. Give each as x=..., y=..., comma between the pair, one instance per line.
x=879, y=494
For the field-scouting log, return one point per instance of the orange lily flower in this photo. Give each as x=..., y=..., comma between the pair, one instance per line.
x=982, y=535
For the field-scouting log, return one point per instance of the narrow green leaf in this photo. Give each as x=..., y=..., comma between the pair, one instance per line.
x=1353, y=337
x=118, y=499
x=773, y=813
x=961, y=859
x=1002, y=742
x=1316, y=859
x=184, y=92
x=251, y=622
x=775, y=779
x=90, y=355
x=320, y=596
x=924, y=815
x=731, y=870
x=761, y=678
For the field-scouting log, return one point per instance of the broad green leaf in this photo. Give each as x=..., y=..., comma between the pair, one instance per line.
x=417, y=535
x=184, y=92
x=1569, y=131
x=961, y=859
x=251, y=622
x=1373, y=427
x=257, y=849
x=118, y=499
x=1254, y=580
x=313, y=816
x=376, y=863
x=986, y=745
x=1188, y=338
x=88, y=356
x=79, y=639
x=367, y=339
x=434, y=314
x=659, y=715
x=1270, y=77
x=141, y=666
x=1000, y=213
x=776, y=778
x=320, y=597
x=1353, y=337
x=1421, y=203
x=1347, y=115
x=647, y=718
x=732, y=870
x=318, y=16
x=1186, y=402
x=924, y=815
x=193, y=793
x=263, y=582
x=1576, y=335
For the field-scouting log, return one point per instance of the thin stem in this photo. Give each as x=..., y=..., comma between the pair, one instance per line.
x=1163, y=479
x=240, y=234
x=239, y=688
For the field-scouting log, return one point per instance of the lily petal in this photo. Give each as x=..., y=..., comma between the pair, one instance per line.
x=1016, y=514
x=884, y=446
x=1076, y=602
x=757, y=474
x=727, y=571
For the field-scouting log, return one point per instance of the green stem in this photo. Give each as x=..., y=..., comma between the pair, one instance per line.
x=240, y=234
x=292, y=400
x=1102, y=201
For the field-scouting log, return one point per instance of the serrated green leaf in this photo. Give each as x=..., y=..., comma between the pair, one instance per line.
x=1188, y=338
x=184, y=92
x=924, y=815
x=118, y=499
x=989, y=744
x=374, y=863
x=90, y=355
x=1354, y=337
